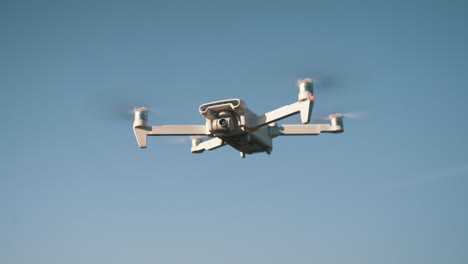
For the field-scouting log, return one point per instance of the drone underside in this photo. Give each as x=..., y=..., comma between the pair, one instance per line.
x=230, y=122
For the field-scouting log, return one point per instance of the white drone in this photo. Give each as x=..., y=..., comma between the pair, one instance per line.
x=231, y=122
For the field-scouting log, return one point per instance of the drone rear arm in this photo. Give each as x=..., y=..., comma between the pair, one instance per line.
x=335, y=126
x=297, y=130
x=141, y=132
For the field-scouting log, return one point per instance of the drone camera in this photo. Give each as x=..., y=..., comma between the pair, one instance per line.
x=222, y=125
x=223, y=122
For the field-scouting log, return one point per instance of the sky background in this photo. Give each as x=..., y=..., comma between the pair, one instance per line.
x=75, y=188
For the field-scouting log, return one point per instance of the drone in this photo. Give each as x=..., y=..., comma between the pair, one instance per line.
x=231, y=122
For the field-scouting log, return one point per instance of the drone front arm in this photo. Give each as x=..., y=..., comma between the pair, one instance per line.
x=141, y=132
x=199, y=146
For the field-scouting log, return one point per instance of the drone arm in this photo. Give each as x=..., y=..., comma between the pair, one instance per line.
x=178, y=130
x=335, y=126
x=141, y=136
x=297, y=130
x=302, y=107
x=199, y=146
x=141, y=132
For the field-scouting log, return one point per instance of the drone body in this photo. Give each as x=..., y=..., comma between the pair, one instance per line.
x=231, y=122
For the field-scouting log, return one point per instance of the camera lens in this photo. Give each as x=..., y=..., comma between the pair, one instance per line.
x=222, y=122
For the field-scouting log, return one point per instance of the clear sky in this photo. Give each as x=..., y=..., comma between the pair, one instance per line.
x=75, y=188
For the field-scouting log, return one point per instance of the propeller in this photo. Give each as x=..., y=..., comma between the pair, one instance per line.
x=324, y=83
x=118, y=105
x=348, y=115
x=141, y=109
x=124, y=111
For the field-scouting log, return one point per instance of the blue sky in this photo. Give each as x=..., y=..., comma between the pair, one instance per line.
x=75, y=188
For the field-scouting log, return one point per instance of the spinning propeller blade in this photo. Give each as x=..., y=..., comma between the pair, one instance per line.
x=350, y=115
x=324, y=83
